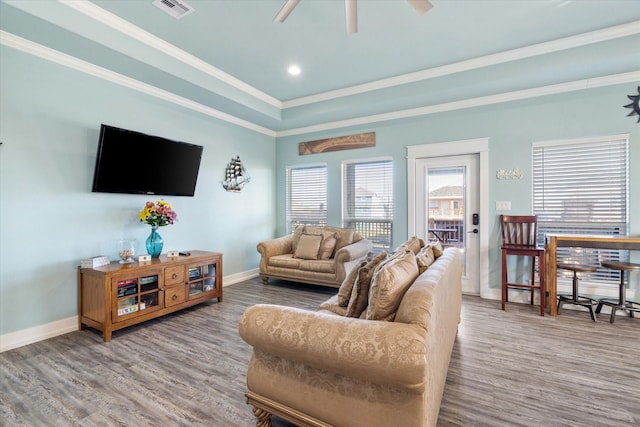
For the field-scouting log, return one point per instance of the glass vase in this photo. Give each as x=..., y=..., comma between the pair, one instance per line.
x=126, y=250
x=154, y=243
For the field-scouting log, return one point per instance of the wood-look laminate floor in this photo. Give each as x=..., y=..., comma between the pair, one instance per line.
x=508, y=368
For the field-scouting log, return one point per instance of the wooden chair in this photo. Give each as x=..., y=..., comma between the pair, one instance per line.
x=519, y=234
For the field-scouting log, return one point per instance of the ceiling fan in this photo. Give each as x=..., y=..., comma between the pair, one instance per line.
x=351, y=11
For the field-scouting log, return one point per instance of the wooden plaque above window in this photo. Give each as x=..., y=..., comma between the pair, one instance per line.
x=349, y=142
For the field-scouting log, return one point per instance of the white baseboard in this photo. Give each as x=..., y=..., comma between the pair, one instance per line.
x=60, y=327
x=38, y=333
x=240, y=277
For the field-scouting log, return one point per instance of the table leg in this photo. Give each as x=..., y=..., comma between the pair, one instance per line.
x=551, y=273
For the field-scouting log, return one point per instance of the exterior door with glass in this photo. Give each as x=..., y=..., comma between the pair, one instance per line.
x=447, y=209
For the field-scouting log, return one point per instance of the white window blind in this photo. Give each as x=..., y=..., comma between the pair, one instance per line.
x=368, y=200
x=581, y=187
x=306, y=196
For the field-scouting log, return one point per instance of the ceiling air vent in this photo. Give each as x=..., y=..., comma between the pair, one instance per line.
x=176, y=8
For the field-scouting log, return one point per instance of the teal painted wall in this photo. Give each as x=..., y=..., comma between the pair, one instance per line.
x=49, y=220
x=511, y=128
x=50, y=118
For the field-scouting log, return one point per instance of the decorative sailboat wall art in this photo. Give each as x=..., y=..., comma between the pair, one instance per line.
x=235, y=176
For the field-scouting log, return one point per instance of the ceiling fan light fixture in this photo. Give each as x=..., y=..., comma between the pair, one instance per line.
x=421, y=6
x=350, y=11
x=287, y=8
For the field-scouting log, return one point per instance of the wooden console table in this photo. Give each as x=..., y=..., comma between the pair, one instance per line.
x=116, y=295
x=555, y=241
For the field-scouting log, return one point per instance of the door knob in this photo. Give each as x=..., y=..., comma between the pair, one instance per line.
x=474, y=231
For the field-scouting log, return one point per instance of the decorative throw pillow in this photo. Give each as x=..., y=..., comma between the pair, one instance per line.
x=360, y=292
x=327, y=246
x=297, y=232
x=344, y=293
x=332, y=305
x=344, y=236
x=390, y=257
x=437, y=249
x=316, y=231
x=388, y=286
x=414, y=244
x=308, y=247
x=425, y=258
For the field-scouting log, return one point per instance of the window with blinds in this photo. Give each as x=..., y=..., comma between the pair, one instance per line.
x=581, y=187
x=367, y=203
x=306, y=196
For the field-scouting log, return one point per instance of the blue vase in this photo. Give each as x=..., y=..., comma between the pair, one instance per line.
x=154, y=243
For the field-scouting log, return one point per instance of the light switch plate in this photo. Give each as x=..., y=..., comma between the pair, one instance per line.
x=173, y=254
x=144, y=258
x=503, y=206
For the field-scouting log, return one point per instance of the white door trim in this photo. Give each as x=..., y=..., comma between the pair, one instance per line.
x=478, y=146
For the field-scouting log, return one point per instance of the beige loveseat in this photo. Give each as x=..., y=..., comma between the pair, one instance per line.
x=326, y=369
x=319, y=256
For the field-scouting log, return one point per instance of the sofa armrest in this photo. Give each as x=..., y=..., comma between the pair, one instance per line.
x=279, y=246
x=354, y=251
x=385, y=353
x=348, y=256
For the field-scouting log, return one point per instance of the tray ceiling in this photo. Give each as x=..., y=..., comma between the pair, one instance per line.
x=230, y=56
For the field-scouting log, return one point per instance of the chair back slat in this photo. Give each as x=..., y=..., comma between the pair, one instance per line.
x=519, y=230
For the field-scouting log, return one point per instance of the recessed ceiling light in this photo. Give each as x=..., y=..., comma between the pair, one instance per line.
x=294, y=70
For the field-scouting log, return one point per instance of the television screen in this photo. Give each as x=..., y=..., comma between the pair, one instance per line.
x=135, y=163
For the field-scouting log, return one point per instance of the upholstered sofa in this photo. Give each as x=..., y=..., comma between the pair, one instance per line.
x=324, y=368
x=319, y=256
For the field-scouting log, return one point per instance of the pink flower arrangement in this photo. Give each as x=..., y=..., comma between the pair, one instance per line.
x=158, y=214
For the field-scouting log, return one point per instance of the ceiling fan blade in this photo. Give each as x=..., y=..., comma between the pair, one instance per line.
x=351, y=14
x=286, y=10
x=421, y=6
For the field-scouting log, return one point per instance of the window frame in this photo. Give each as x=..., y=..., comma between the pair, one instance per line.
x=320, y=218
x=373, y=226
x=588, y=217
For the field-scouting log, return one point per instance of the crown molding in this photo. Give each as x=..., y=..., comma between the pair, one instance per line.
x=55, y=56
x=631, y=77
x=584, y=39
x=125, y=27
x=52, y=55
x=27, y=46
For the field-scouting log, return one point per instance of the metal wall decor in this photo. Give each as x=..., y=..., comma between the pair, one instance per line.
x=235, y=176
x=515, y=173
x=635, y=105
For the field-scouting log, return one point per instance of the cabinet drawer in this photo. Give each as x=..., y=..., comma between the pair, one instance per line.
x=174, y=295
x=174, y=275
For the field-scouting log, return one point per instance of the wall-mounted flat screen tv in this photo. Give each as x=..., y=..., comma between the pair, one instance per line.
x=136, y=163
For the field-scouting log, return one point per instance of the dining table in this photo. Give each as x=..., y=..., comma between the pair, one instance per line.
x=555, y=241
